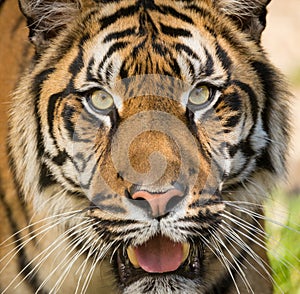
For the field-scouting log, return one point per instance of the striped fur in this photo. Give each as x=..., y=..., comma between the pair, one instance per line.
x=69, y=212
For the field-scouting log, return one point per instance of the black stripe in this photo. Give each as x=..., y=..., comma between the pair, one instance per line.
x=233, y=101
x=121, y=13
x=46, y=178
x=145, y=22
x=191, y=69
x=89, y=72
x=227, y=32
x=209, y=65
x=36, y=91
x=67, y=115
x=77, y=63
x=120, y=34
x=194, y=130
x=232, y=149
x=174, y=32
x=211, y=31
x=160, y=49
x=72, y=183
x=61, y=158
x=108, y=73
x=138, y=47
x=175, y=66
x=268, y=79
x=200, y=10
x=224, y=58
x=265, y=161
x=113, y=48
x=116, y=223
x=252, y=96
x=60, y=52
x=171, y=11
x=124, y=74
x=181, y=47
x=53, y=100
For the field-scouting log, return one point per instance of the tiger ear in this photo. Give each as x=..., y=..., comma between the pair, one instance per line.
x=45, y=18
x=249, y=15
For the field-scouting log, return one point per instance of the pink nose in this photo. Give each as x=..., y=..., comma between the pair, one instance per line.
x=160, y=203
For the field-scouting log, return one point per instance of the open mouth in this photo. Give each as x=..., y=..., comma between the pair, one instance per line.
x=157, y=257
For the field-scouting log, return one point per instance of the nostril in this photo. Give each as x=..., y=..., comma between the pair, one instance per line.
x=158, y=203
x=173, y=202
x=143, y=204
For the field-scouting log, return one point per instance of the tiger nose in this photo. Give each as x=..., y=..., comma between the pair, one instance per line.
x=159, y=203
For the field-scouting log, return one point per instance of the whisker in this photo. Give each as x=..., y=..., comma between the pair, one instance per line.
x=244, y=224
x=71, y=213
x=53, y=247
x=238, y=265
x=224, y=260
x=88, y=278
x=72, y=247
x=261, y=243
x=263, y=217
x=234, y=237
x=93, y=250
x=231, y=235
x=41, y=230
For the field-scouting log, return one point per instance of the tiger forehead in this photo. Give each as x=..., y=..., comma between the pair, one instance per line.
x=149, y=37
x=153, y=19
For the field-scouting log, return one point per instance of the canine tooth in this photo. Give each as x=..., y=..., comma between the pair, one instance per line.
x=186, y=251
x=132, y=257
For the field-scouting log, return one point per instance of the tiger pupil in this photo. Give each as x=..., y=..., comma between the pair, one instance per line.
x=199, y=95
x=101, y=100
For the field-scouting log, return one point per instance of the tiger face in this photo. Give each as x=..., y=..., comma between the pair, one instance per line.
x=149, y=128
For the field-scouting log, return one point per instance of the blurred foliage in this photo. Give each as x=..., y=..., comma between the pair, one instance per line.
x=284, y=241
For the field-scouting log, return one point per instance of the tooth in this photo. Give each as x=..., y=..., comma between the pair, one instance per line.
x=186, y=251
x=132, y=257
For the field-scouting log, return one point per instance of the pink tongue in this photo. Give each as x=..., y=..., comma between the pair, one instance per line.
x=159, y=255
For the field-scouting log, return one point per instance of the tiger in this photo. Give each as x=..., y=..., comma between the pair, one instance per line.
x=143, y=138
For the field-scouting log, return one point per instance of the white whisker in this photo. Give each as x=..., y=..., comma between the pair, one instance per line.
x=33, y=235
x=232, y=236
x=72, y=247
x=237, y=264
x=225, y=261
x=53, y=246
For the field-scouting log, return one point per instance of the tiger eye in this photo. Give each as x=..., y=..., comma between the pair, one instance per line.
x=199, y=95
x=101, y=100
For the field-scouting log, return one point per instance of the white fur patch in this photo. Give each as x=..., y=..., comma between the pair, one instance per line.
x=165, y=285
x=240, y=7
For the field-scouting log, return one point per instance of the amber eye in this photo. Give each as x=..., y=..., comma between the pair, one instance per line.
x=101, y=100
x=199, y=95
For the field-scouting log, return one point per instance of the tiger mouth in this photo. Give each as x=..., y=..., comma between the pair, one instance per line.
x=158, y=257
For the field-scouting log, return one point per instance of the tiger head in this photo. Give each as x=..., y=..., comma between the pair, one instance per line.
x=153, y=130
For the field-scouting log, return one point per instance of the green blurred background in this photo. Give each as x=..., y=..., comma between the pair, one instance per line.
x=282, y=40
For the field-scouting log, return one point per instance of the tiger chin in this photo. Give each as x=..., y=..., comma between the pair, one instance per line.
x=143, y=139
